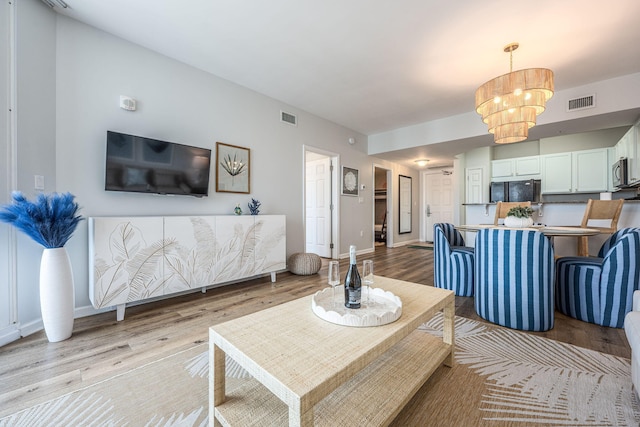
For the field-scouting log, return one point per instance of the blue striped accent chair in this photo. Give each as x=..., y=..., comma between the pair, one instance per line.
x=453, y=261
x=514, y=275
x=600, y=289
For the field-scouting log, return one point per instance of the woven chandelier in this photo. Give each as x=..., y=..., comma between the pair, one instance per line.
x=510, y=103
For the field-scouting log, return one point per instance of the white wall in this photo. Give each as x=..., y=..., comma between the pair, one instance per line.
x=69, y=80
x=182, y=104
x=582, y=141
x=35, y=132
x=617, y=94
x=560, y=144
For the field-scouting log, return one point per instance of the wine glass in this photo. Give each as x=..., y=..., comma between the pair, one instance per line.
x=334, y=278
x=367, y=277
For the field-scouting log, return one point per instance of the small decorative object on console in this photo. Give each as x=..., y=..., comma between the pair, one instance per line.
x=238, y=210
x=519, y=217
x=253, y=206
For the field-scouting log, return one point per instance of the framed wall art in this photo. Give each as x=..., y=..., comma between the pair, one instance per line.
x=349, y=181
x=233, y=170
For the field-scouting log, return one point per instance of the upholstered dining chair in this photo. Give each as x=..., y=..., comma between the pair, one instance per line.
x=602, y=215
x=503, y=207
x=453, y=261
x=514, y=272
x=600, y=289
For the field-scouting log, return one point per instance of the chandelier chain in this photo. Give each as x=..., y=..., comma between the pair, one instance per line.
x=511, y=61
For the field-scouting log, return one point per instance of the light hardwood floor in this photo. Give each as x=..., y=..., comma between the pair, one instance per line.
x=32, y=369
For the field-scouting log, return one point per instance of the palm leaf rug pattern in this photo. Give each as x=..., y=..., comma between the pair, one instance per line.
x=541, y=381
x=529, y=380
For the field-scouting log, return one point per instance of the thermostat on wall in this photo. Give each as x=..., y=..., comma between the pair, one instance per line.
x=127, y=103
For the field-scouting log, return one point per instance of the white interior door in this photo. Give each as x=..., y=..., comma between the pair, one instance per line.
x=318, y=206
x=438, y=201
x=475, y=185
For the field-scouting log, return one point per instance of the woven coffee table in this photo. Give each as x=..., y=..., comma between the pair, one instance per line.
x=307, y=371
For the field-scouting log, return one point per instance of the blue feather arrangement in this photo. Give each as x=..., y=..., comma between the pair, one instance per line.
x=50, y=220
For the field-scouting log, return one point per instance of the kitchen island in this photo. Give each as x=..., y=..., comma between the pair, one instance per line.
x=555, y=213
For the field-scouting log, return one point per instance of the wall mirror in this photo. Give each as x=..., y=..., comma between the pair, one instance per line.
x=405, y=204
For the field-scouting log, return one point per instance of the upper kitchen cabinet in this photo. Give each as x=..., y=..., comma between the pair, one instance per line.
x=583, y=171
x=517, y=168
x=634, y=160
x=628, y=148
x=625, y=147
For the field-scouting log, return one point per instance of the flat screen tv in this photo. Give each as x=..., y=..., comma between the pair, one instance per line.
x=145, y=165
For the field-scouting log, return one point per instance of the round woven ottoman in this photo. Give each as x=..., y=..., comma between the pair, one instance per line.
x=304, y=264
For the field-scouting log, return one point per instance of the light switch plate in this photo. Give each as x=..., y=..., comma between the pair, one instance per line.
x=38, y=182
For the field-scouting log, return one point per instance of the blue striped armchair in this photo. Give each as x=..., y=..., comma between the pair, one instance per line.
x=514, y=274
x=453, y=261
x=600, y=289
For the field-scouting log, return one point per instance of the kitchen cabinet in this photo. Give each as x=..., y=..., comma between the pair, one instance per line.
x=556, y=173
x=502, y=169
x=624, y=146
x=628, y=147
x=611, y=158
x=517, y=168
x=634, y=157
x=583, y=171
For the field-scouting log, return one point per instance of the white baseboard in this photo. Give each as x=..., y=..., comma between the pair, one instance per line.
x=9, y=334
x=408, y=242
x=32, y=327
x=26, y=329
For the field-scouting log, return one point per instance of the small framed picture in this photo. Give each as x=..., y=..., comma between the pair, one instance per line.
x=349, y=181
x=233, y=170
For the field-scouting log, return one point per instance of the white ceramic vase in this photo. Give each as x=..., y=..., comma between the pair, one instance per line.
x=514, y=222
x=57, y=296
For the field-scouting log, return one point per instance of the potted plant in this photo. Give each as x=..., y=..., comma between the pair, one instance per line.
x=519, y=216
x=50, y=220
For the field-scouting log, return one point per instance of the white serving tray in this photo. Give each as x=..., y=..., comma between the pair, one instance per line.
x=381, y=308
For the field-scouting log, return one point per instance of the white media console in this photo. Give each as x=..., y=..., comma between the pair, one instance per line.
x=136, y=258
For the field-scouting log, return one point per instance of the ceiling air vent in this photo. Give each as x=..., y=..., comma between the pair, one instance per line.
x=581, y=103
x=288, y=118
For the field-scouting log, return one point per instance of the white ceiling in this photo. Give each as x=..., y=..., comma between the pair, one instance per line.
x=378, y=65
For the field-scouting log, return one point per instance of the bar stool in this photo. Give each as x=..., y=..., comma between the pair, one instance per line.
x=600, y=211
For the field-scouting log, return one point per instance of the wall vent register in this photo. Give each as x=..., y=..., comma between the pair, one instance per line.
x=581, y=103
x=288, y=118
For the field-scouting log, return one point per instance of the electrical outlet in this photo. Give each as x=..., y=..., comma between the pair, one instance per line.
x=361, y=233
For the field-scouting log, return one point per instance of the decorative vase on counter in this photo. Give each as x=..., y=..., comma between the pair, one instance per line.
x=515, y=222
x=57, y=297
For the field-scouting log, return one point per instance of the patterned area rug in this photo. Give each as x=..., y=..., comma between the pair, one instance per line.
x=502, y=378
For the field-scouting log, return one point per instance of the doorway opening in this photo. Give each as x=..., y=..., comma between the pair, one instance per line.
x=382, y=217
x=321, y=202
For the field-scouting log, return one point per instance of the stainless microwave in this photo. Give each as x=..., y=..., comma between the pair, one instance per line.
x=619, y=173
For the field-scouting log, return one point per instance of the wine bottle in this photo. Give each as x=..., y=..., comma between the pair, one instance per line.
x=352, y=282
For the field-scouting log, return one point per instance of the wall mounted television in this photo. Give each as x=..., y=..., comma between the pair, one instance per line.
x=144, y=165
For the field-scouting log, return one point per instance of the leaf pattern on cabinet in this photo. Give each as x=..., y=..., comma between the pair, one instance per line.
x=139, y=270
